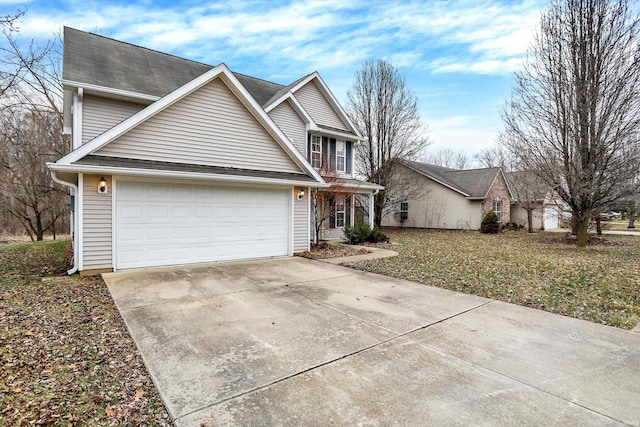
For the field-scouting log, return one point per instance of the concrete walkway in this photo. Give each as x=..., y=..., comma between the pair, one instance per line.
x=299, y=342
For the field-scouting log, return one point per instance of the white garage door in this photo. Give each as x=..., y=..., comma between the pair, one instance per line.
x=168, y=224
x=551, y=217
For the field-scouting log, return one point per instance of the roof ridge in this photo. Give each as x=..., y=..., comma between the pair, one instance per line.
x=259, y=78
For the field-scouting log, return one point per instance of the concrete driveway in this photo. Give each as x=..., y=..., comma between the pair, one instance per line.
x=299, y=342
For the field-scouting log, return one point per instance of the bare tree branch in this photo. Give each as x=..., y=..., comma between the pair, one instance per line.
x=386, y=112
x=574, y=114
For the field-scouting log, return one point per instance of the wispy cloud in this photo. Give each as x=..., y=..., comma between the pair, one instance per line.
x=430, y=41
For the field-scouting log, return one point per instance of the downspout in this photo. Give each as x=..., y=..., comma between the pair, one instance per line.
x=74, y=238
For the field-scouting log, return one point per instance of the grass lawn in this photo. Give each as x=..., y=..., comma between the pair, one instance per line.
x=544, y=271
x=66, y=357
x=619, y=225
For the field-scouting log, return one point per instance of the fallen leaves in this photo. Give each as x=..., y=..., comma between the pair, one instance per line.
x=65, y=355
x=326, y=250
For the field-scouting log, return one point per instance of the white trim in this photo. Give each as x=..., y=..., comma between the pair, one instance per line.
x=292, y=215
x=234, y=85
x=114, y=261
x=81, y=221
x=76, y=132
x=352, y=214
x=371, y=211
x=67, y=116
x=182, y=175
x=109, y=91
x=308, y=218
x=337, y=134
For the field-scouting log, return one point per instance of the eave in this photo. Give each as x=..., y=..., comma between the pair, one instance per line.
x=150, y=173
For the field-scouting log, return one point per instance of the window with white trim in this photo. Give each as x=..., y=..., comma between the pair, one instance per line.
x=340, y=211
x=404, y=210
x=340, y=156
x=497, y=209
x=316, y=151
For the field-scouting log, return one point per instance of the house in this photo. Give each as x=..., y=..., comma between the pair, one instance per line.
x=439, y=197
x=530, y=193
x=178, y=162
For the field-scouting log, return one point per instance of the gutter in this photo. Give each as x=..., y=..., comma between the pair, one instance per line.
x=74, y=240
x=239, y=179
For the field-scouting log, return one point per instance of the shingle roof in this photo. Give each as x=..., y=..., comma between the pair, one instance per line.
x=98, y=60
x=475, y=183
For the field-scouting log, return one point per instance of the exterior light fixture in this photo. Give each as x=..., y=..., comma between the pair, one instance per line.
x=300, y=194
x=102, y=186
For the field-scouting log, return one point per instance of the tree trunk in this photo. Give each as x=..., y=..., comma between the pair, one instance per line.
x=530, y=220
x=574, y=225
x=599, y=225
x=39, y=230
x=632, y=222
x=582, y=231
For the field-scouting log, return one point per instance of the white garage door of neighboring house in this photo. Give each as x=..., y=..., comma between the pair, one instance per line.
x=551, y=217
x=168, y=224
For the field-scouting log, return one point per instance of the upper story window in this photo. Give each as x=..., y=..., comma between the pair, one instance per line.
x=340, y=156
x=316, y=151
x=497, y=209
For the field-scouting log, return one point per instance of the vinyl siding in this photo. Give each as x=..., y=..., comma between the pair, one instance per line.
x=318, y=106
x=208, y=127
x=301, y=221
x=96, y=223
x=291, y=124
x=101, y=114
x=435, y=206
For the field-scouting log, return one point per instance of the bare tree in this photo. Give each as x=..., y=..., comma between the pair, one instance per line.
x=323, y=202
x=29, y=139
x=528, y=192
x=495, y=157
x=574, y=115
x=448, y=158
x=386, y=112
x=8, y=73
x=31, y=133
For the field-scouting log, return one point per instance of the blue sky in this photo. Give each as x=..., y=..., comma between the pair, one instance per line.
x=458, y=56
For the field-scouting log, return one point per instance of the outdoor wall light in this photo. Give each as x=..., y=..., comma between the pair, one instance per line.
x=300, y=194
x=102, y=186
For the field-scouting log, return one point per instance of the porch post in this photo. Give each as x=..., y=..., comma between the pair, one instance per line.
x=371, y=212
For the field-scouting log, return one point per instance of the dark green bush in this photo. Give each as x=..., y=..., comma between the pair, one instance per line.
x=490, y=223
x=361, y=232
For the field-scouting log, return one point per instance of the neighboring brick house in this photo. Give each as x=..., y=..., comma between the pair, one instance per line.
x=450, y=198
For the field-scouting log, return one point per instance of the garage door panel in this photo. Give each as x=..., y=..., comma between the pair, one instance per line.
x=164, y=224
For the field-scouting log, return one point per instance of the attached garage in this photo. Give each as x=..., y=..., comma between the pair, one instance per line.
x=160, y=224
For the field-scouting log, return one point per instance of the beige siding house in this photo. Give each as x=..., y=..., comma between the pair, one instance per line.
x=195, y=166
x=438, y=197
